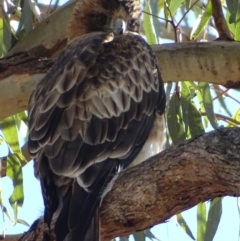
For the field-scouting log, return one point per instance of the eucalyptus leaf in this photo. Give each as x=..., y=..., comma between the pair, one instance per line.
x=10, y=133
x=237, y=23
x=202, y=21
x=139, y=236
x=3, y=48
x=183, y=224
x=14, y=172
x=214, y=217
x=233, y=8
x=207, y=103
x=175, y=5
x=23, y=117
x=201, y=221
x=148, y=233
x=148, y=25
x=185, y=101
x=175, y=120
x=195, y=121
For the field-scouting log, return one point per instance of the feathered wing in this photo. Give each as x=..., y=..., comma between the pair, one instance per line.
x=89, y=116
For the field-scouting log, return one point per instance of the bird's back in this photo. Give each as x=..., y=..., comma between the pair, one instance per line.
x=88, y=118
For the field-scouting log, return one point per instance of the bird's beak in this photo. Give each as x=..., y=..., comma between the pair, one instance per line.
x=119, y=26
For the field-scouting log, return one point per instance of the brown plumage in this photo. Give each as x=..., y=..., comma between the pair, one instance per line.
x=92, y=113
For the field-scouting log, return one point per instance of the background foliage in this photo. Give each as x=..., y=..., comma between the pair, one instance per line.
x=192, y=107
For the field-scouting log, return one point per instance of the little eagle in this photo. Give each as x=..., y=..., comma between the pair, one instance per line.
x=92, y=113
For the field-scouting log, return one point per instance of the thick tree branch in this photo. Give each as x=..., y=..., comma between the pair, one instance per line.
x=177, y=179
x=31, y=57
x=215, y=62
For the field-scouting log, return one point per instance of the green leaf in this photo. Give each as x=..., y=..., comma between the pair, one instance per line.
x=237, y=30
x=214, y=217
x=124, y=238
x=183, y=224
x=175, y=5
x=168, y=91
x=10, y=133
x=3, y=49
x=233, y=8
x=175, y=120
x=167, y=4
x=14, y=172
x=23, y=117
x=201, y=221
x=202, y=21
x=195, y=121
x=3, y=207
x=139, y=236
x=222, y=101
x=23, y=222
x=9, y=130
x=236, y=116
x=160, y=5
x=148, y=25
x=27, y=16
x=207, y=103
x=187, y=3
x=7, y=35
x=185, y=101
x=202, y=108
x=148, y=233
x=230, y=23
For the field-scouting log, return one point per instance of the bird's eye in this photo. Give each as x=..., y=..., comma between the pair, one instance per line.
x=133, y=25
x=100, y=19
x=131, y=22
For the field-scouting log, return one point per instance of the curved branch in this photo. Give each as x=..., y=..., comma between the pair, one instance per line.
x=177, y=179
x=220, y=21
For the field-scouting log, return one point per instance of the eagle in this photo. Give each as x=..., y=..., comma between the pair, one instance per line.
x=92, y=113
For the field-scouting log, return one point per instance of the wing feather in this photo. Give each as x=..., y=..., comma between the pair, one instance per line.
x=96, y=105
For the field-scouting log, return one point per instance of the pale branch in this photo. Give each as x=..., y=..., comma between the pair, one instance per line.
x=52, y=31
x=195, y=171
x=28, y=61
x=214, y=62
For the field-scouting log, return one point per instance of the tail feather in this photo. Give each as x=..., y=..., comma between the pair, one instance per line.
x=93, y=232
x=79, y=217
x=61, y=225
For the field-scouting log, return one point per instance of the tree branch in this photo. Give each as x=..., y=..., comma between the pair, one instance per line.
x=215, y=62
x=177, y=179
x=28, y=61
x=220, y=21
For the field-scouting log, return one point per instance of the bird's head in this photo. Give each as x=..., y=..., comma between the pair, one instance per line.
x=115, y=16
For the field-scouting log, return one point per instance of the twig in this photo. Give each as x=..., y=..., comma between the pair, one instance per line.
x=224, y=118
x=156, y=16
x=220, y=94
x=184, y=15
x=172, y=22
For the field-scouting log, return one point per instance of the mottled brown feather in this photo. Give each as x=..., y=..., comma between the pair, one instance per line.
x=91, y=114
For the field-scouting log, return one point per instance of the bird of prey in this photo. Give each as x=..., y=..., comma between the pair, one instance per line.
x=91, y=114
